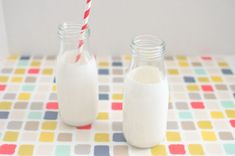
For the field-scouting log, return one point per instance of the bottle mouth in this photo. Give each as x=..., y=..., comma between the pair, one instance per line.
x=148, y=46
x=72, y=30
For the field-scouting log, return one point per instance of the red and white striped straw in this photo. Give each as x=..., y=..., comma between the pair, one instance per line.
x=83, y=28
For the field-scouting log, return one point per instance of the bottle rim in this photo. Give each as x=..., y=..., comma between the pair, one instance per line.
x=72, y=30
x=147, y=46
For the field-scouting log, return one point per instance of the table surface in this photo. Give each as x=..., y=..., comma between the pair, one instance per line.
x=201, y=118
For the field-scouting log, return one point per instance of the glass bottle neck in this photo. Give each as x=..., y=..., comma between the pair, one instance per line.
x=70, y=37
x=147, y=48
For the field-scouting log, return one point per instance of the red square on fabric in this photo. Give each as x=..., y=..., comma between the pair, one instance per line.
x=84, y=127
x=207, y=88
x=7, y=149
x=177, y=149
x=232, y=122
x=116, y=106
x=33, y=71
x=52, y=105
x=197, y=105
x=2, y=87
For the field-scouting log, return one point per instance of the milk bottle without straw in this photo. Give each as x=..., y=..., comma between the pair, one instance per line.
x=146, y=93
x=77, y=81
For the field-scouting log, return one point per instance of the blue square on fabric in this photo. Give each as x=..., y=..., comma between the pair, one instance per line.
x=103, y=71
x=4, y=115
x=118, y=137
x=24, y=57
x=117, y=64
x=227, y=71
x=103, y=96
x=189, y=79
x=50, y=115
x=101, y=150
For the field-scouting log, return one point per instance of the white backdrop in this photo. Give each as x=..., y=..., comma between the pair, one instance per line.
x=187, y=26
x=3, y=39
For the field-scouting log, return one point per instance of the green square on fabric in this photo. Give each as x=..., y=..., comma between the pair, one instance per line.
x=35, y=115
x=62, y=150
x=200, y=71
x=228, y=104
x=185, y=115
x=28, y=87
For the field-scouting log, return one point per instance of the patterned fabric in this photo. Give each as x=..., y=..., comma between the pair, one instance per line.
x=201, y=118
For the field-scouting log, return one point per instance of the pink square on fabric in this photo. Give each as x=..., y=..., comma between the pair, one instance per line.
x=206, y=58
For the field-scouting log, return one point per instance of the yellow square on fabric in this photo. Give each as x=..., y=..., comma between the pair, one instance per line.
x=54, y=88
x=4, y=78
x=183, y=64
x=203, y=79
x=19, y=71
x=193, y=88
x=5, y=105
x=230, y=113
x=25, y=150
x=223, y=64
x=216, y=79
x=11, y=136
x=117, y=96
x=49, y=125
x=127, y=57
x=217, y=115
x=24, y=96
x=195, y=149
x=12, y=57
x=46, y=137
x=158, y=150
x=173, y=136
x=103, y=116
x=173, y=72
x=102, y=137
x=47, y=71
x=103, y=64
x=204, y=124
x=182, y=58
x=208, y=136
x=35, y=63
x=16, y=79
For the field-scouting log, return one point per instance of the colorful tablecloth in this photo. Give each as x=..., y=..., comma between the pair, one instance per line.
x=201, y=118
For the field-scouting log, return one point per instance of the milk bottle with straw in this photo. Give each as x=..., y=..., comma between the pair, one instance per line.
x=76, y=74
x=76, y=78
x=146, y=93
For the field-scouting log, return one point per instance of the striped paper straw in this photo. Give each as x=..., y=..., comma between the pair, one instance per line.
x=83, y=28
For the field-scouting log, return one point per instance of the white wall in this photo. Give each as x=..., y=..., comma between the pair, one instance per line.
x=3, y=37
x=187, y=26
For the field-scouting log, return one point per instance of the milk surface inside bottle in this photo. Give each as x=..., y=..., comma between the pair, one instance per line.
x=77, y=81
x=146, y=93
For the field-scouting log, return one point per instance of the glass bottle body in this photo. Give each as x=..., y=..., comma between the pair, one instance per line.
x=146, y=93
x=77, y=80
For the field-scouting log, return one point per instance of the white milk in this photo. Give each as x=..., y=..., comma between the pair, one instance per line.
x=77, y=88
x=146, y=97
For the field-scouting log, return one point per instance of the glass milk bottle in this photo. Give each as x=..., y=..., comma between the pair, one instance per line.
x=77, y=80
x=146, y=93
